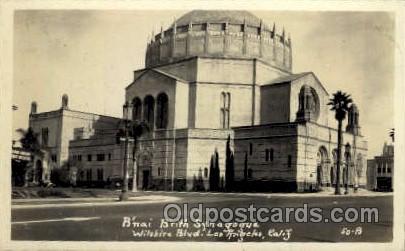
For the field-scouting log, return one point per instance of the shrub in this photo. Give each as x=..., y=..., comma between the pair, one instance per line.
x=43, y=193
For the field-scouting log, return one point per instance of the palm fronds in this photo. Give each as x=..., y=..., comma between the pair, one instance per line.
x=29, y=139
x=340, y=104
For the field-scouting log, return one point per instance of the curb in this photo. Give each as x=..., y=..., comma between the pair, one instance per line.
x=286, y=195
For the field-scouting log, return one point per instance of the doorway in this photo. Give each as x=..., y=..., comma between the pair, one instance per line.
x=322, y=174
x=145, y=180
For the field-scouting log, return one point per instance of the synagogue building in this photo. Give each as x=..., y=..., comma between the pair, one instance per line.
x=210, y=78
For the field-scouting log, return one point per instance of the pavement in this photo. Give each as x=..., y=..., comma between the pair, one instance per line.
x=89, y=202
x=101, y=219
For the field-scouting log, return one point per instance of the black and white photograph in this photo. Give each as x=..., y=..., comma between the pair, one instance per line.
x=226, y=125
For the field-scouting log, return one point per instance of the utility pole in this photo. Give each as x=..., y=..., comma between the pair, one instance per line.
x=127, y=110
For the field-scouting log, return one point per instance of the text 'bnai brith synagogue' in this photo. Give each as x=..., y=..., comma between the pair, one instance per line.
x=213, y=80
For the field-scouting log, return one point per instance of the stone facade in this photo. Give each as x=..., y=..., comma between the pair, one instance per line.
x=222, y=86
x=179, y=155
x=56, y=129
x=96, y=160
x=294, y=156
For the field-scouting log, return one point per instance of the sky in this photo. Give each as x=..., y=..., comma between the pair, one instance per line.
x=91, y=55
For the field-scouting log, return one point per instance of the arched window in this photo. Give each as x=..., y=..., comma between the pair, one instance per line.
x=225, y=109
x=137, y=109
x=162, y=110
x=308, y=104
x=359, y=164
x=148, y=110
x=347, y=157
x=333, y=167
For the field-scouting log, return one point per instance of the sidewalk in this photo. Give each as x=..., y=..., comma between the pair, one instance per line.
x=86, y=202
x=68, y=193
x=62, y=192
x=325, y=193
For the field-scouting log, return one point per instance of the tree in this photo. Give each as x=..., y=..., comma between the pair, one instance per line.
x=229, y=166
x=340, y=104
x=29, y=140
x=198, y=182
x=392, y=134
x=211, y=174
x=62, y=176
x=214, y=178
x=134, y=129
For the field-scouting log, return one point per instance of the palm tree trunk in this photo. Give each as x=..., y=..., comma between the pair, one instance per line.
x=134, y=177
x=124, y=192
x=337, y=186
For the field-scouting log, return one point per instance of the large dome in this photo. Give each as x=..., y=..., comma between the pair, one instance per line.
x=221, y=34
x=219, y=16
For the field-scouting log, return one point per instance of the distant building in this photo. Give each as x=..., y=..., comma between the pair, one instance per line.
x=380, y=170
x=98, y=159
x=57, y=128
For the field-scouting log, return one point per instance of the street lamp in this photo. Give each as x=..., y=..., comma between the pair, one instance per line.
x=127, y=114
x=347, y=159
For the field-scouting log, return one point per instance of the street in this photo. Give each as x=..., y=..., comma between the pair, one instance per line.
x=104, y=221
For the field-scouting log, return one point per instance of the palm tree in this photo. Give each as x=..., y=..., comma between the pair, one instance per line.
x=340, y=104
x=392, y=134
x=29, y=140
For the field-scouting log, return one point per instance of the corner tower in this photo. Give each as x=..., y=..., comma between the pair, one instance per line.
x=353, y=125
